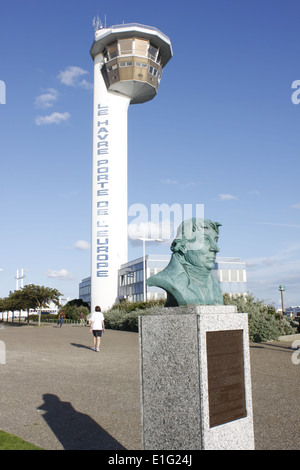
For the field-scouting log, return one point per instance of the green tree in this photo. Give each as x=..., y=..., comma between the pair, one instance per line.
x=77, y=303
x=72, y=312
x=4, y=306
x=38, y=297
x=11, y=304
x=14, y=302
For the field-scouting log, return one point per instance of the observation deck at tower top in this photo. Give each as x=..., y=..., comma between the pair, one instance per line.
x=105, y=36
x=133, y=56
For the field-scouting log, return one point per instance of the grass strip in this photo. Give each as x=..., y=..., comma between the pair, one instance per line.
x=11, y=442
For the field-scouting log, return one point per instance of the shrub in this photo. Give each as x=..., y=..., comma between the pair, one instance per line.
x=49, y=316
x=72, y=312
x=124, y=316
x=264, y=323
x=132, y=306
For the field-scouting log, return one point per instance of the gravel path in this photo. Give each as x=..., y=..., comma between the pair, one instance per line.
x=57, y=393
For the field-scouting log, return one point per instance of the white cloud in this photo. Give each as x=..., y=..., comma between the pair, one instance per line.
x=169, y=181
x=46, y=99
x=61, y=274
x=81, y=245
x=54, y=118
x=226, y=197
x=87, y=85
x=290, y=252
x=72, y=76
x=265, y=274
x=296, y=206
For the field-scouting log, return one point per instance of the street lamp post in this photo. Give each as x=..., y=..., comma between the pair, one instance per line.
x=282, y=289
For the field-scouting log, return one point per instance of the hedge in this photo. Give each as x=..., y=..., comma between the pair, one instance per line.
x=264, y=323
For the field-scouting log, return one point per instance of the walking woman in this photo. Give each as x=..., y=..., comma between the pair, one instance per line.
x=97, y=327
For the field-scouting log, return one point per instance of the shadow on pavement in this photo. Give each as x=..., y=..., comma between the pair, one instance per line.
x=74, y=430
x=78, y=345
x=272, y=347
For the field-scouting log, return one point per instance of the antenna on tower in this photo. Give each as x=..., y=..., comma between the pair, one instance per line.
x=97, y=24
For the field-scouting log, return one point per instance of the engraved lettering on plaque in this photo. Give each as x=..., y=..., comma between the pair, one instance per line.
x=225, y=373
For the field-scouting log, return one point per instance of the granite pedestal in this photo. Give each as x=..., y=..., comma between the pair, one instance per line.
x=195, y=379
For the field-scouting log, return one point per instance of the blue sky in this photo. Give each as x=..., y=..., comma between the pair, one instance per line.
x=223, y=131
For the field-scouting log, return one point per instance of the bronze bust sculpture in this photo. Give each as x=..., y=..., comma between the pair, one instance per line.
x=187, y=279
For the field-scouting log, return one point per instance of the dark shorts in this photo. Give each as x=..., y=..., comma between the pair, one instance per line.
x=97, y=333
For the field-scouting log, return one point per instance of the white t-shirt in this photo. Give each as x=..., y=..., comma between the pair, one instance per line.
x=97, y=318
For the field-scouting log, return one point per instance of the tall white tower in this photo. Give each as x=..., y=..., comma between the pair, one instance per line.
x=21, y=278
x=128, y=63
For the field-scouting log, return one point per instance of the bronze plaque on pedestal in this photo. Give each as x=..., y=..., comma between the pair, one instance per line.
x=225, y=371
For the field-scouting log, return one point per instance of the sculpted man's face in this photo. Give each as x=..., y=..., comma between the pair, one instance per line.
x=204, y=256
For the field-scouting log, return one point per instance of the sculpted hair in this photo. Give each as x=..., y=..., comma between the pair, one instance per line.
x=187, y=232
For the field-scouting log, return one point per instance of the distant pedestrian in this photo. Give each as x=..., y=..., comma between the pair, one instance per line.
x=97, y=327
x=61, y=317
x=81, y=319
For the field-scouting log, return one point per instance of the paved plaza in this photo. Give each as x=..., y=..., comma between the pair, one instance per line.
x=57, y=393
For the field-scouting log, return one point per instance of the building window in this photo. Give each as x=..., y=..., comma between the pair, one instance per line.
x=152, y=52
x=112, y=50
x=125, y=64
x=234, y=276
x=130, y=278
x=141, y=47
x=225, y=275
x=125, y=46
x=141, y=64
x=153, y=70
x=85, y=290
x=112, y=67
